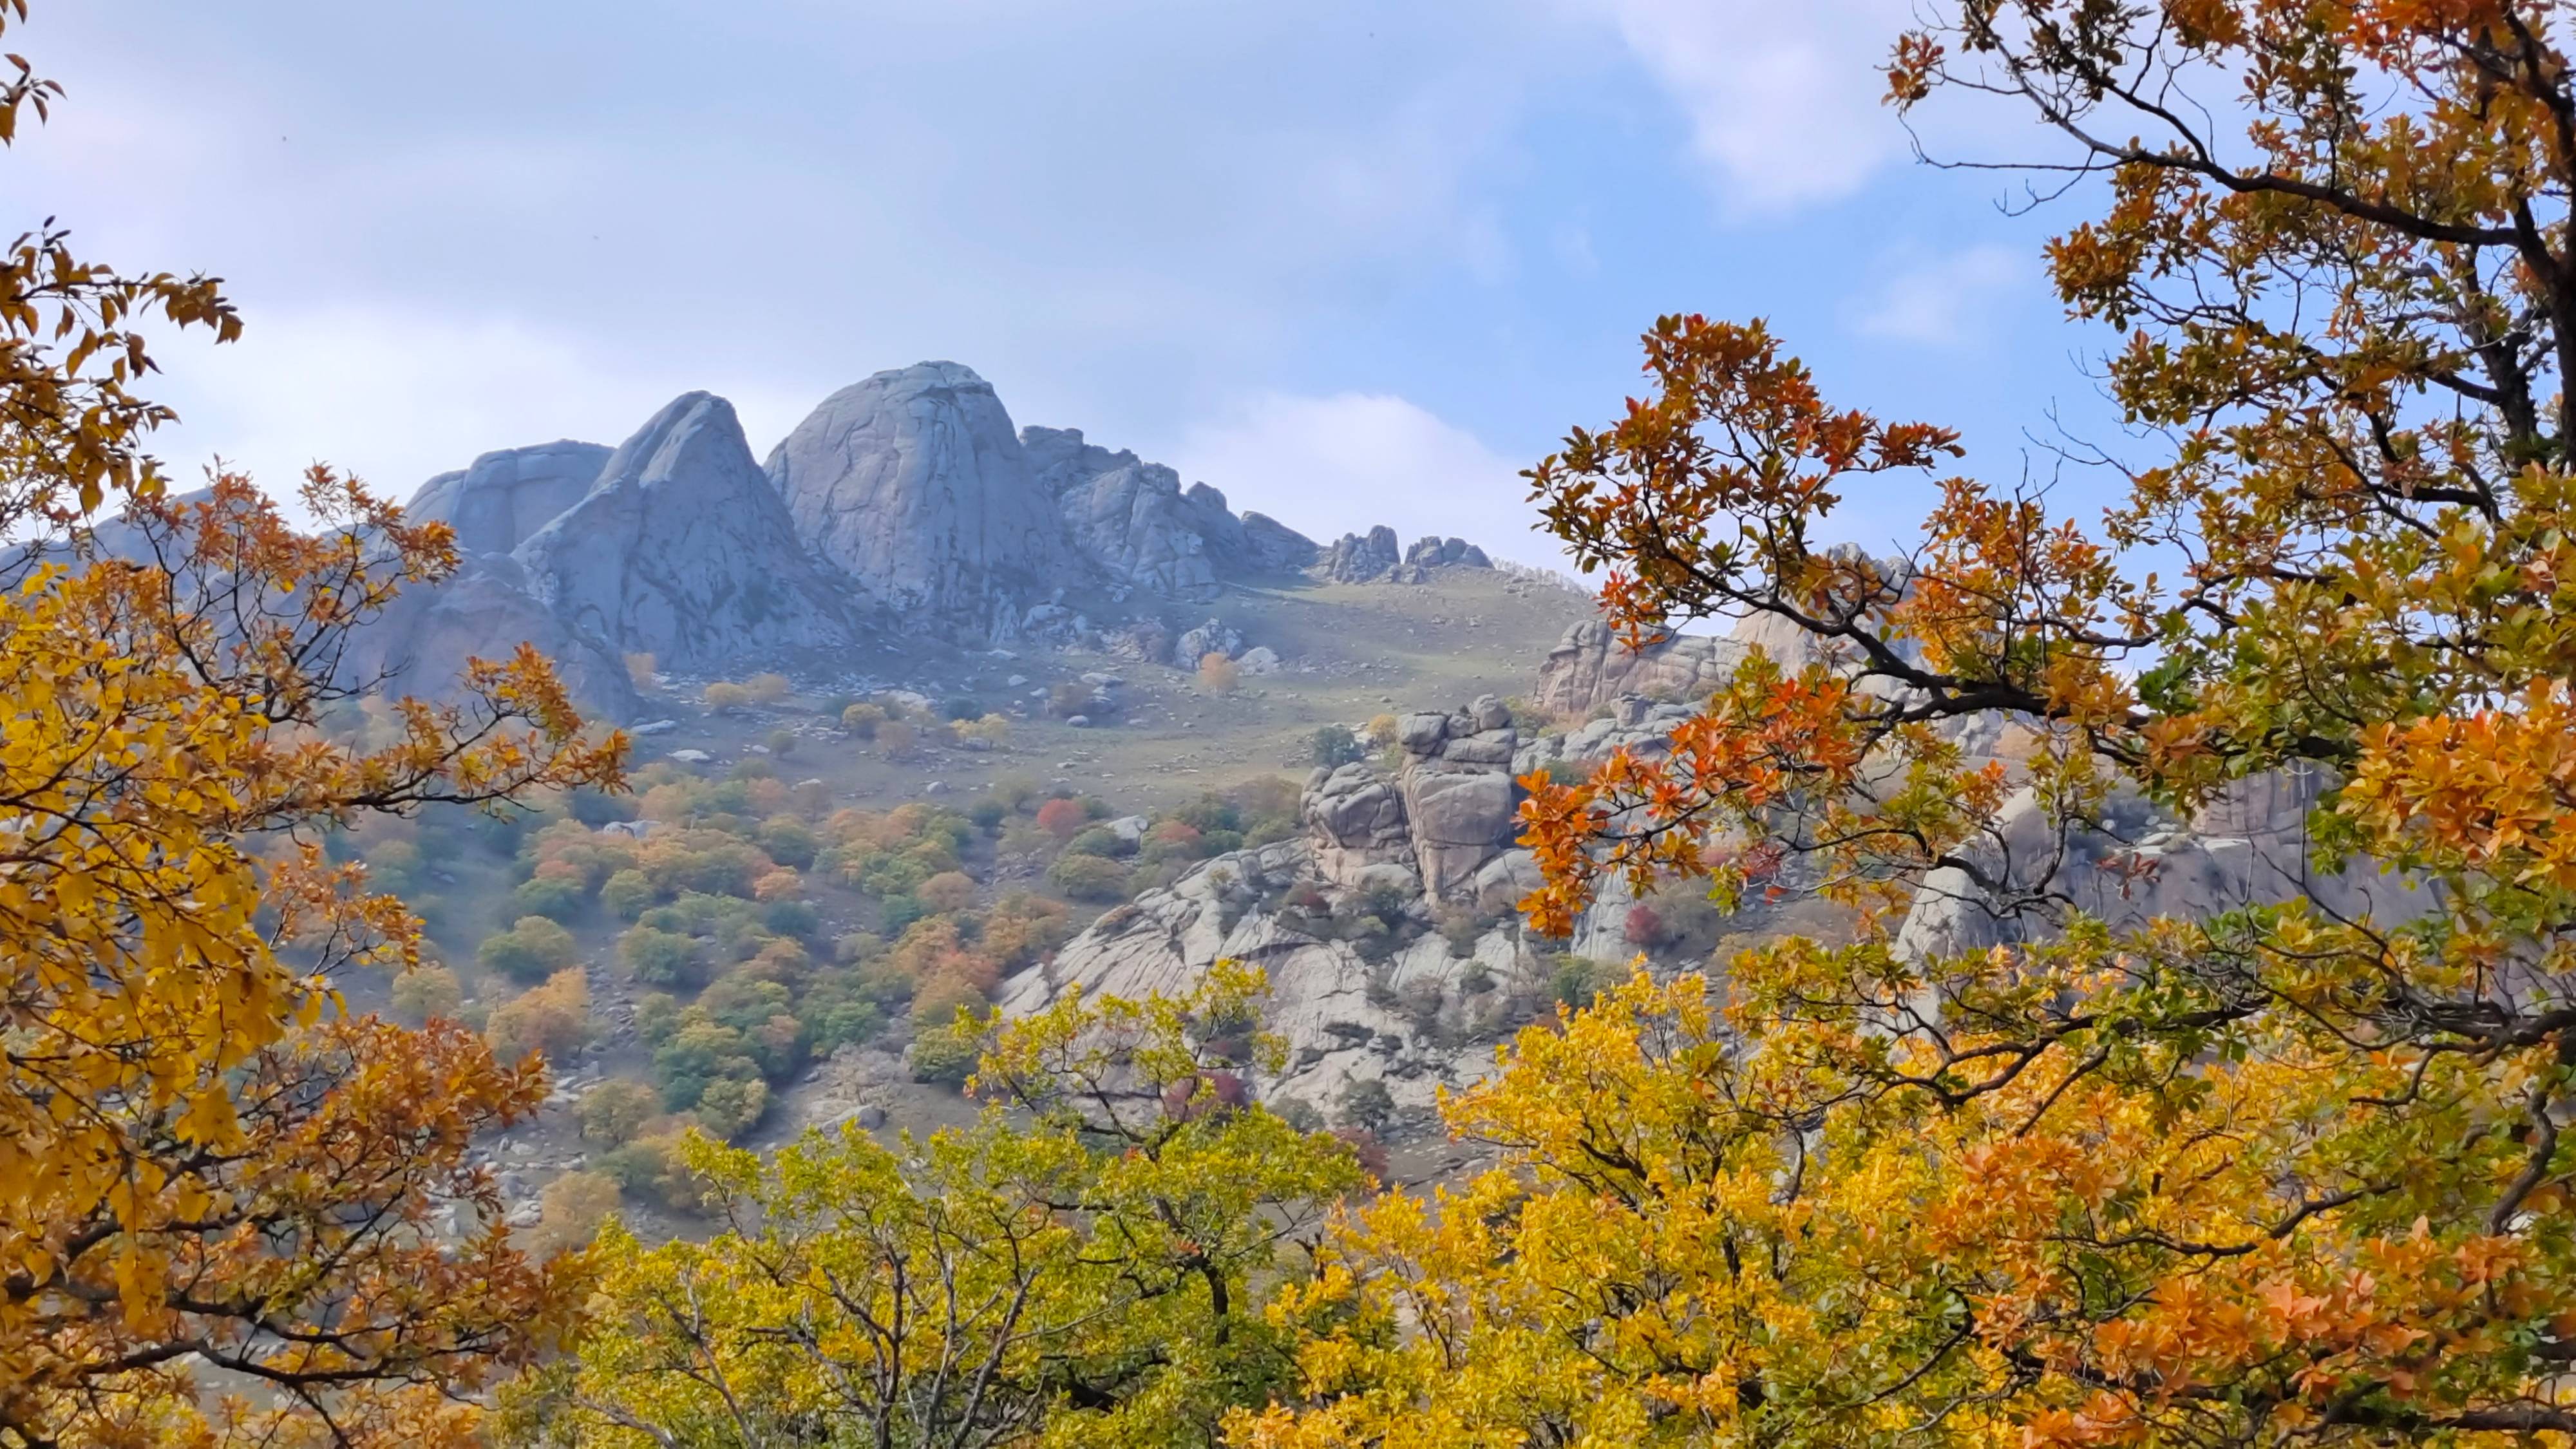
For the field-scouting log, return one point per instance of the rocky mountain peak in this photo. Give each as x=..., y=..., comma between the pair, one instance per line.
x=914, y=482
x=683, y=550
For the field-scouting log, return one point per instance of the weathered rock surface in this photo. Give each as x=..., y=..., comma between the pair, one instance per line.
x=1129, y=516
x=1270, y=546
x=1355, y=817
x=682, y=550
x=423, y=642
x=1357, y=559
x=1213, y=637
x=496, y=502
x=915, y=483
x=1337, y=1010
x=1433, y=553
x=1461, y=803
x=1592, y=665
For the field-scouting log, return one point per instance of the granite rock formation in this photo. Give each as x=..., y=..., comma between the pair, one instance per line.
x=1357, y=558
x=682, y=550
x=914, y=482
x=423, y=642
x=495, y=503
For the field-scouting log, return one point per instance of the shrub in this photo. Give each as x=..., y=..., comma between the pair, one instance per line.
x=1089, y=878
x=639, y=671
x=987, y=815
x=1218, y=674
x=616, y=1110
x=1366, y=1104
x=961, y=709
x=553, y=1019
x=553, y=897
x=1334, y=746
x=652, y=1169
x=570, y=1211
x=595, y=808
x=1381, y=729
x=626, y=894
x=781, y=742
x=790, y=918
x=724, y=698
x=1062, y=819
x=895, y=740
x=1299, y=1113
x=531, y=950
x=1100, y=841
x=766, y=688
x=950, y=890
x=1014, y=792
x=731, y=1106
x=788, y=841
x=862, y=719
x=1071, y=698
x=946, y=1053
x=1643, y=927
x=658, y=957
x=427, y=990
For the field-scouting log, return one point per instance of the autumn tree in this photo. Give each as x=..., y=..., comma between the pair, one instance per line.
x=1081, y=1264
x=2278, y=1173
x=204, y=1160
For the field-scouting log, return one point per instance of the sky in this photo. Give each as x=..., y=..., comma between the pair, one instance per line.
x=1352, y=262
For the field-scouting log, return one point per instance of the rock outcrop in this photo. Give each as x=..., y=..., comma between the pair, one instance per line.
x=496, y=502
x=1135, y=521
x=1591, y=666
x=1357, y=559
x=1272, y=547
x=915, y=483
x=682, y=550
x=1435, y=553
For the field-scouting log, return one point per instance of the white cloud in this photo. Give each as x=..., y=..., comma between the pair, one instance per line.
x=1944, y=302
x=1343, y=463
x=1782, y=95
x=396, y=396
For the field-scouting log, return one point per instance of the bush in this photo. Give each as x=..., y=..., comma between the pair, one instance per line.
x=766, y=688
x=658, y=957
x=553, y=897
x=652, y=1169
x=1063, y=819
x=427, y=990
x=895, y=740
x=1381, y=729
x=731, y=1106
x=1299, y=1113
x=1643, y=927
x=961, y=708
x=993, y=731
x=531, y=950
x=950, y=890
x=724, y=698
x=987, y=815
x=616, y=1110
x=1071, y=698
x=571, y=1209
x=790, y=918
x=639, y=671
x=1218, y=674
x=1367, y=1105
x=946, y=1053
x=1334, y=746
x=1575, y=980
x=788, y=841
x=1089, y=878
x=596, y=808
x=862, y=719
x=553, y=1019
x=781, y=742
x=626, y=894
x=1100, y=841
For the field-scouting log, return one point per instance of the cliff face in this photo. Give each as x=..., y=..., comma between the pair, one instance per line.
x=682, y=550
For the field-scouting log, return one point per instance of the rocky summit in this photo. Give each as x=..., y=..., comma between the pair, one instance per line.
x=682, y=551
x=503, y=497
x=915, y=484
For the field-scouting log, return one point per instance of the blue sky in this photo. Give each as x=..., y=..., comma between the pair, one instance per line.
x=1351, y=262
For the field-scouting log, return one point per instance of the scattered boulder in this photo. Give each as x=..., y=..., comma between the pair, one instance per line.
x=1213, y=637
x=1261, y=659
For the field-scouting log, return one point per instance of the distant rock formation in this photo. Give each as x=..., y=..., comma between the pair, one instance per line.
x=1432, y=553
x=914, y=482
x=683, y=550
x=1135, y=521
x=1356, y=558
x=503, y=497
x=428, y=635
x=1591, y=666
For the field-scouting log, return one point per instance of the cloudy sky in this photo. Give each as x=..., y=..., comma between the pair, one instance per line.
x=1351, y=261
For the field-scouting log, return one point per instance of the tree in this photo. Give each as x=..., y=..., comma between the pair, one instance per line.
x=766, y=688
x=1062, y=818
x=1334, y=745
x=204, y=1160
x=2276, y=1174
x=1082, y=1262
x=553, y=1019
x=532, y=949
x=724, y=696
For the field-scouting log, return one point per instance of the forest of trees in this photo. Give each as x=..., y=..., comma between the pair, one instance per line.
x=2276, y=1176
